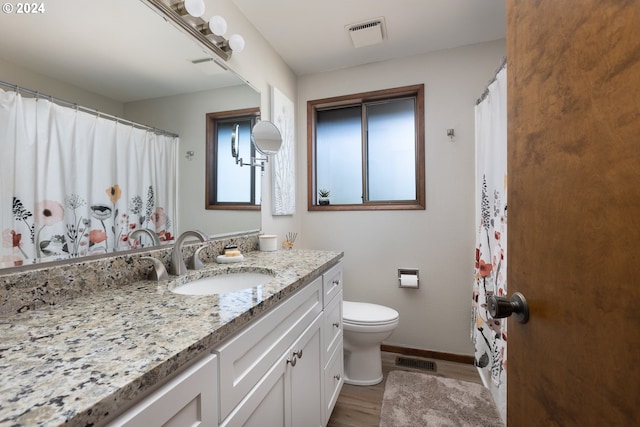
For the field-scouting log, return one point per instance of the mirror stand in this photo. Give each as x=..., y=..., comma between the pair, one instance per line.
x=266, y=139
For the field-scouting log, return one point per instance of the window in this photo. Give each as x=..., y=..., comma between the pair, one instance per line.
x=367, y=150
x=228, y=185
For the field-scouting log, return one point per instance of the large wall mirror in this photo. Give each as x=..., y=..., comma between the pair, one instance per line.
x=122, y=58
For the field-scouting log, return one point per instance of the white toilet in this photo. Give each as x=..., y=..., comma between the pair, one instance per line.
x=365, y=326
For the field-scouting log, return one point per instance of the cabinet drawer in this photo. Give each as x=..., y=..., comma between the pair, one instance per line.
x=188, y=399
x=332, y=327
x=332, y=283
x=333, y=381
x=249, y=355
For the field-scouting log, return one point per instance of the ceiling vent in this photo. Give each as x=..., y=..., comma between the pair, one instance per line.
x=367, y=33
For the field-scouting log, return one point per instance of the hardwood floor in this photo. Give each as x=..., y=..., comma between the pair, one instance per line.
x=359, y=406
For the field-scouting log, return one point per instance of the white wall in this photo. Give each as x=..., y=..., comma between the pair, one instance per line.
x=20, y=76
x=261, y=67
x=440, y=240
x=186, y=115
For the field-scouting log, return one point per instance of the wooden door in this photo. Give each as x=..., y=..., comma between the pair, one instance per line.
x=574, y=211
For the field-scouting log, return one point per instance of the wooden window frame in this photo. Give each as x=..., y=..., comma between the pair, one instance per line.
x=313, y=106
x=211, y=182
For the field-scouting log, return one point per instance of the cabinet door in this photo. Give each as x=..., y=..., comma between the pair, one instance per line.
x=245, y=358
x=307, y=379
x=332, y=328
x=188, y=399
x=333, y=381
x=289, y=395
x=332, y=283
x=265, y=404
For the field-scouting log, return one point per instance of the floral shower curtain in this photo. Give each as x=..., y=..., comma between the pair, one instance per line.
x=490, y=335
x=76, y=184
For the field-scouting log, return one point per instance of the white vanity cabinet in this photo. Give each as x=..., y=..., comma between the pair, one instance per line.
x=270, y=372
x=282, y=369
x=332, y=349
x=189, y=399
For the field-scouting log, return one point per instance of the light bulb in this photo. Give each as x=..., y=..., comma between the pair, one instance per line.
x=236, y=43
x=218, y=25
x=194, y=8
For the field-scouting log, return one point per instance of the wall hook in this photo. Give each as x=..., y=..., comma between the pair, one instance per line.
x=451, y=134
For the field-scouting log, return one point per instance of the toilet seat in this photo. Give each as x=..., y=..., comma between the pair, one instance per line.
x=367, y=314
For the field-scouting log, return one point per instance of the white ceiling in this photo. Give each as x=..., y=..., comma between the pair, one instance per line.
x=123, y=50
x=310, y=35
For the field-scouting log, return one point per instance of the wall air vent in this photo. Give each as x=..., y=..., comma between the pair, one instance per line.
x=367, y=33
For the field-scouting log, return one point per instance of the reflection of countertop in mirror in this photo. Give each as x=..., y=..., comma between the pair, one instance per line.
x=89, y=358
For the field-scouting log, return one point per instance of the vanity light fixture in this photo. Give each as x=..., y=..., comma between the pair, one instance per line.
x=216, y=26
x=194, y=8
x=236, y=43
x=186, y=15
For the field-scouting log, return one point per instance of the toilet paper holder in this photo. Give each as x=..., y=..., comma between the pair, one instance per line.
x=408, y=278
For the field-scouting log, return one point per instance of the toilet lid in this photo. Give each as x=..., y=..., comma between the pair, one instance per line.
x=366, y=313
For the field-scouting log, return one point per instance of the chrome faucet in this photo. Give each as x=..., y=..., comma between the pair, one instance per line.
x=178, y=266
x=195, y=263
x=158, y=272
x=152, y=235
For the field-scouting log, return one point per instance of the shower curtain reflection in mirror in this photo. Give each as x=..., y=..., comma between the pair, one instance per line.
x=76, y=184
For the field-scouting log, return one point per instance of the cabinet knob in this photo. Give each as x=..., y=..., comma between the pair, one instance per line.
x=336, y=377
x=294, y=357
x=336, y=282
x=336, y=324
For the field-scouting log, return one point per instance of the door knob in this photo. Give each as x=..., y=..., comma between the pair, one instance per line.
x=500, y=307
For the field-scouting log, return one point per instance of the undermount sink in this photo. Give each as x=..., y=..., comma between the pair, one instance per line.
x=223, y=283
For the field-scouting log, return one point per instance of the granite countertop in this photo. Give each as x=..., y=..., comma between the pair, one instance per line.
x=83, y=361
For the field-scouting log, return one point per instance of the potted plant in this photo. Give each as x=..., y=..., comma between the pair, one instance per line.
x=324, y=197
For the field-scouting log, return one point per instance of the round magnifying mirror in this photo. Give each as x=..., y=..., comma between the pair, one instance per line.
x=266, y=137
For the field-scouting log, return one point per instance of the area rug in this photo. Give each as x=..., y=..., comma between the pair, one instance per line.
x=414, y=399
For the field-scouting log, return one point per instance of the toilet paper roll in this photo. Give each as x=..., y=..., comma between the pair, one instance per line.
x=408, y=281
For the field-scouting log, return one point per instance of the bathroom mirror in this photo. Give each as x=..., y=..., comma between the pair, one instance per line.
x=120, y=57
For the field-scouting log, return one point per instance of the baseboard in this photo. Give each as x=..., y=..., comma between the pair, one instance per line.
x=428, y=354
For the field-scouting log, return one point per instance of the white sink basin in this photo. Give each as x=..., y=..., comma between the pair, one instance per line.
x=223, y=283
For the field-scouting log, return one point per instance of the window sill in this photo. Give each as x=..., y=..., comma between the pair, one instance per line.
x=412, y=206
x=233, y=207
